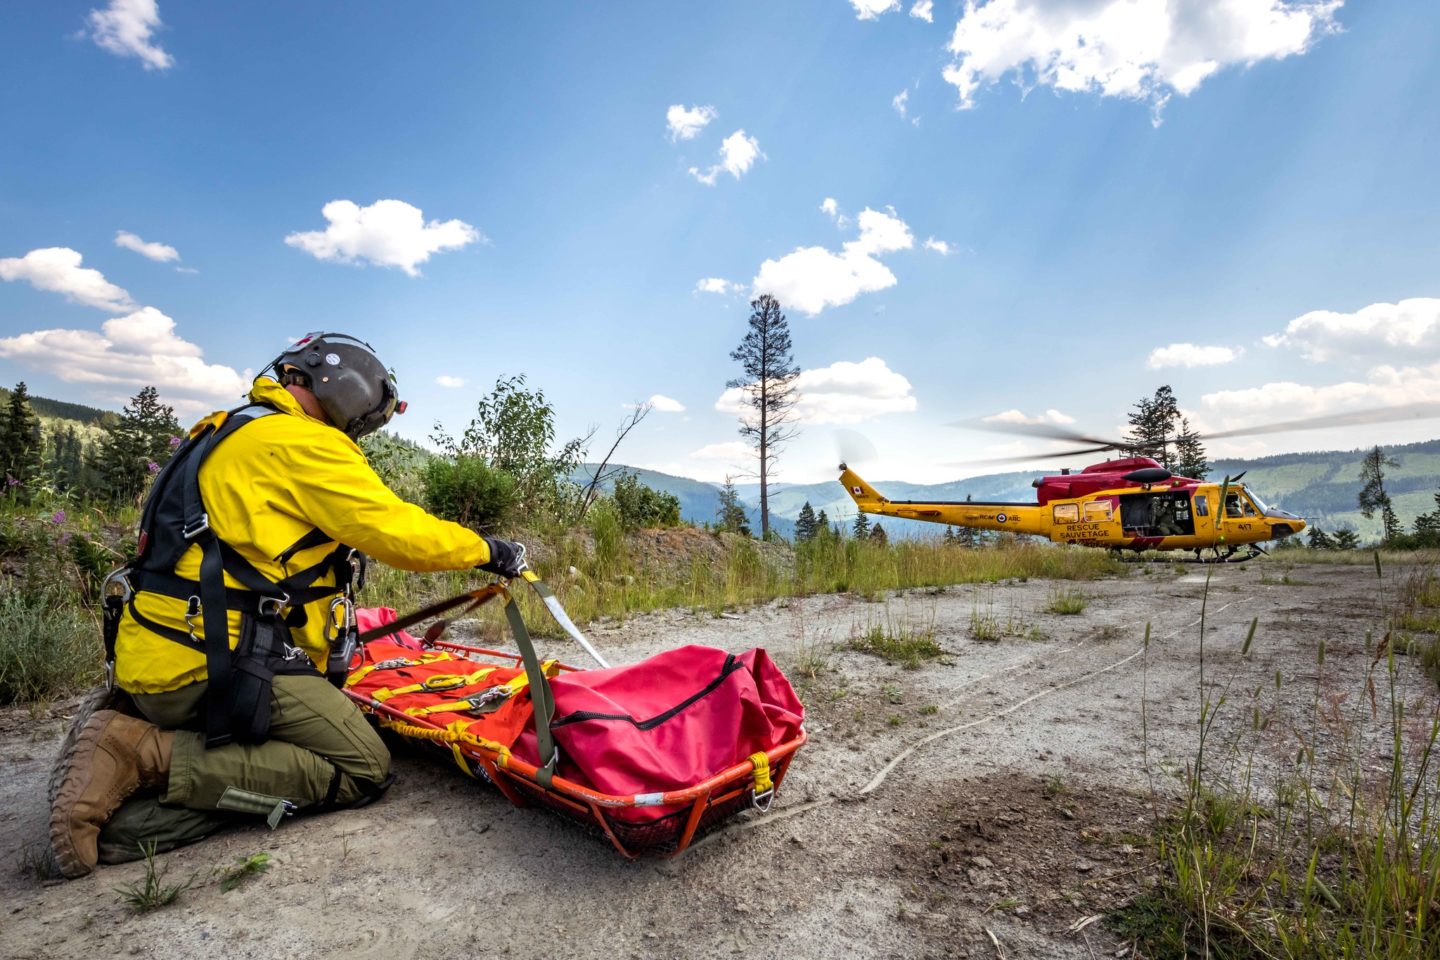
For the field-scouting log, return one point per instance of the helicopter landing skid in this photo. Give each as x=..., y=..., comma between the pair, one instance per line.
x=1229, y=556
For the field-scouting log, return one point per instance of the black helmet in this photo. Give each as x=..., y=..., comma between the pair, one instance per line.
x=352, y=386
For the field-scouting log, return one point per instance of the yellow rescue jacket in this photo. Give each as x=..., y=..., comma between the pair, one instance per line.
x=265, y=487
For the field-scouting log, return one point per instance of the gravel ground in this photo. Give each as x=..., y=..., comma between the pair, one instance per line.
x=981, y=805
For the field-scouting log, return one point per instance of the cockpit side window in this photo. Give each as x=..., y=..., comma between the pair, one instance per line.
x=1202, y=505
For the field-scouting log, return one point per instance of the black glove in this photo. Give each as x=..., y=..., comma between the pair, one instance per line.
x=507, y=558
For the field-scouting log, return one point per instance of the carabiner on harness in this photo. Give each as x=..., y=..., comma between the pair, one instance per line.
x=192, y=610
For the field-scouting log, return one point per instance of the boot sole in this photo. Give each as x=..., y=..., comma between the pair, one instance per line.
x=95, y=699
x=67, y=792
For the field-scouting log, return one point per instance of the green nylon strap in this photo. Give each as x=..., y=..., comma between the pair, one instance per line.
x=540, y=695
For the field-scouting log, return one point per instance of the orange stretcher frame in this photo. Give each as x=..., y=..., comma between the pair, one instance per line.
x=692, y=812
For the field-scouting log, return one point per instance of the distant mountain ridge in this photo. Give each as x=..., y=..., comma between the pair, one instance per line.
x=1321, y=486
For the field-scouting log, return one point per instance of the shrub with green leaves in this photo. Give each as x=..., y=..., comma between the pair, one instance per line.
x=466, y=489
x=640, y=506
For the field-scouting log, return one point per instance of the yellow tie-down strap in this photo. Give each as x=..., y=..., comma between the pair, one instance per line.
x=497, y=694
x=436, y=684
x=394, y=664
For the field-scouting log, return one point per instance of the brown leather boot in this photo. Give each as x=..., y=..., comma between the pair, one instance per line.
x=113, y=756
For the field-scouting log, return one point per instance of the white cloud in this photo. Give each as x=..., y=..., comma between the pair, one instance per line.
x=1138, y=49
x=663, y=404
x=939, y=246
x=923, y=10
x=872, y=9
x=842, y=393
x=812, y=278
x=191, y=270
x=58, y=269
x=1280, y=402
x=899, y=102
x=1190, y=355
x=717, y=285
x=1019, y=417
x=832, y=209
x=445, y=380
x=132, y=351
x=124, y=28
x=730, y=450
x=1408, y=330
x=738, y=154
x=159, y=252
x=685, y=124
x=388, y=233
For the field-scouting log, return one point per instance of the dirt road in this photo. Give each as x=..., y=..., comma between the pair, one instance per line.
x=999, y=795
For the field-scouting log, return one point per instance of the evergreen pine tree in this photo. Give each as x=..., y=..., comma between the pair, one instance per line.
x=134, y=447
x=878, y=535
x=66, y=459
x=861, y=528
x=822, y=525
x=21, y=447
x=1373, y=496
x=1190, y=453
x=730, y=518
x=1427, y=526
x=1346, y=539
x=950, y=537
x=1152, y=427
x=1320, y=540
x=805, y=524
x=767, y=391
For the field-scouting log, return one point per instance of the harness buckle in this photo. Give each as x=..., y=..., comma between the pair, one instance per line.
x=489, y=700
x=273, y=606
x=190, y=532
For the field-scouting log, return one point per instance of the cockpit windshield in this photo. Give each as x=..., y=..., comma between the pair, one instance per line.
x=1259, y=504
x=1238, y=505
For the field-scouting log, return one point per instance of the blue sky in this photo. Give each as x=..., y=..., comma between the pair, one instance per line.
x=1025, y=208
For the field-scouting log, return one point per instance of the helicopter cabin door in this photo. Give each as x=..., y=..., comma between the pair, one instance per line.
x=1157, y=514
x=1204, y=526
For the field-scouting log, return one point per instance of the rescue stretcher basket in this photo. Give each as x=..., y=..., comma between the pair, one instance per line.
x=663, y=822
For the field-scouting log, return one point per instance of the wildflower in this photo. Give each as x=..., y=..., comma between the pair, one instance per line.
x=152, y=467
x=11, y=481
x=176, y=441
x=58, y=517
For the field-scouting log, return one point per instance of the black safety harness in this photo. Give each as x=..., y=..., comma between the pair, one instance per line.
x=237, y=701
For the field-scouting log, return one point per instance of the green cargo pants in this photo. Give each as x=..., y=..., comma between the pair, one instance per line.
x=318, y=739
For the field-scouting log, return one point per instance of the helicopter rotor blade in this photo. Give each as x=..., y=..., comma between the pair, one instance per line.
x=1046, y=431
x=1409, y=411
x=1028, y=457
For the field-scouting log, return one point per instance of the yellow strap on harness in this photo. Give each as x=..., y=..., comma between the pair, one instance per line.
x=436, y=684
x=761, y=761
x=370, y=668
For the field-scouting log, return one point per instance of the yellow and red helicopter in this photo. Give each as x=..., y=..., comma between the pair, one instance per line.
x=1128, y=504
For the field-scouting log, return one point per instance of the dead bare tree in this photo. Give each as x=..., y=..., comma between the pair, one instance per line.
x=602, y=474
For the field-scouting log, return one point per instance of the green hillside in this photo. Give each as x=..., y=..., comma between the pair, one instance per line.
x=1321, y=486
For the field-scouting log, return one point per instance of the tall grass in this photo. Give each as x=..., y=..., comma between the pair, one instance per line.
x=604, y=577
x=1325, y=856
